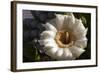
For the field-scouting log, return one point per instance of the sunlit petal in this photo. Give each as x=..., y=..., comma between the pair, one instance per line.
x=50, y=27
x=80, y=33
x=76, y=51
x=59, y=53
x=58, y=21
x=47, y=34
x=51, y=51
x=67, y=55
x=46, y=41
x=68, y=23
x=81, y=43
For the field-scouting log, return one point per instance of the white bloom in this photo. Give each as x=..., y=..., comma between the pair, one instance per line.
x=64, y=37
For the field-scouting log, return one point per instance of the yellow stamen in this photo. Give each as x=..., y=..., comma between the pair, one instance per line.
x=63, y=39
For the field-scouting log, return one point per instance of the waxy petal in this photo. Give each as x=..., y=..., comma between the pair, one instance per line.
x=59, y=53
x=79, y=34
x=58, y=21
x=46, y=41
x=50, y=27
x=82, y=43
x=76, y=51
x=67, y=55
x=51, y=51
x=47, y=34
x=68, y=23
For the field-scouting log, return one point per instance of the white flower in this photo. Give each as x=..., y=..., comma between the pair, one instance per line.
x=64, y=37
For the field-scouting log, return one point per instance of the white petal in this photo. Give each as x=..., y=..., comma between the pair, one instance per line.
x=58, y=21
x=47, y=34
x=72, y=18
x=50, y=44
x=68, y=23
x=59, y=53
x=82, y=43
x=50, y=27
x=50, y=48
x=46, y=41
x=51, y=51
x=79, y=25
x=80, y=33
x=67, y=55
x=79, y=29
x=76, y=51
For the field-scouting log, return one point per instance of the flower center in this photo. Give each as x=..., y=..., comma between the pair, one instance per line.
x=63, y=39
